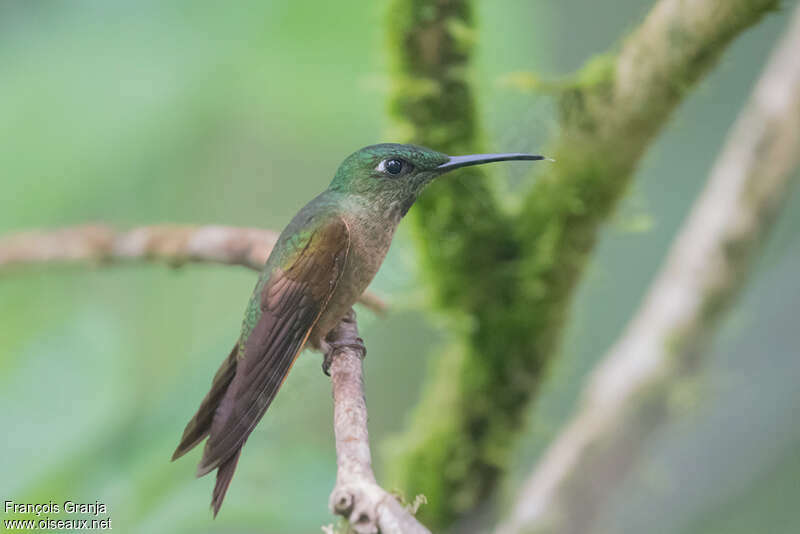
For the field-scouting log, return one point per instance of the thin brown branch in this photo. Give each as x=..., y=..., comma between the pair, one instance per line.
x=357, y=496
x=626, y=398
x=172, y=244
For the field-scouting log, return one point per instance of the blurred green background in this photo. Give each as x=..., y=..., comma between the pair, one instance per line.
x=238, y=113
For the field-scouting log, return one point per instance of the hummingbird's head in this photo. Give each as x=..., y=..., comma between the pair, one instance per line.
x=393, y=175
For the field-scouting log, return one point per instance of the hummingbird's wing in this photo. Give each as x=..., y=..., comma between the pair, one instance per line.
x=292, y=300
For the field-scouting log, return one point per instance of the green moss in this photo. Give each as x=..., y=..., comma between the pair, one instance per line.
x=598, y=71
x=506, y=279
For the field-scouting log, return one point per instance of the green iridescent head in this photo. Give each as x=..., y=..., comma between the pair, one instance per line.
x=395, y=174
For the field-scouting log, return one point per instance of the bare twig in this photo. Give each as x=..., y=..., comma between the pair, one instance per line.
x=357, y=496
x=173, y=244
x=627, y=396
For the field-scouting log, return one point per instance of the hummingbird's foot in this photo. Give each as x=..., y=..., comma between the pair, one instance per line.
x=345, y=335
x=356, y=344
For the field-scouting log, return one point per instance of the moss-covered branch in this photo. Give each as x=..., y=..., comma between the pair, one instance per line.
x=629, y=393
x=435, y=106
x=509, y=278
x=463, y=235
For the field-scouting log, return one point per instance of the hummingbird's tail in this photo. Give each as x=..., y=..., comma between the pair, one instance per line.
x=224, y=476
x=200, y=425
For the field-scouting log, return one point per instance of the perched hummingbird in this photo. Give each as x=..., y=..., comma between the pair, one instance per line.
x=322, y=262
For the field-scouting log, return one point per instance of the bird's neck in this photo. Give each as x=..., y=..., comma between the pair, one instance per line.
x=372, y=212
x=372, y=223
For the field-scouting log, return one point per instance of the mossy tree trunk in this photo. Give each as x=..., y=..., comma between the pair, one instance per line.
x=508, y=278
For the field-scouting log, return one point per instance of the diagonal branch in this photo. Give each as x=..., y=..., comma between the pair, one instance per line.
x=357, y=496
x=627, y=397
x=510, y=280
x=172, y=244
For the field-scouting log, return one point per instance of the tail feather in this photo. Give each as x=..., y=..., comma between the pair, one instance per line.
x=200, y=425
x=224, y=476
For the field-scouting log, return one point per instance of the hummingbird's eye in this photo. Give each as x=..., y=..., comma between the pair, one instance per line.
x=392, y=166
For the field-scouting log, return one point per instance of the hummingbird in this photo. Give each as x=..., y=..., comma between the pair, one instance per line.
x=322, y=262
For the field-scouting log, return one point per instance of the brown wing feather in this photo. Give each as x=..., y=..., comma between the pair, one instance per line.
x=291, y=301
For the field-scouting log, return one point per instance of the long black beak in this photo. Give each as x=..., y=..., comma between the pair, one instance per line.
x=456, y=162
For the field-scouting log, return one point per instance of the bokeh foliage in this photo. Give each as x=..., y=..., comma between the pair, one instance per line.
x=238, y=113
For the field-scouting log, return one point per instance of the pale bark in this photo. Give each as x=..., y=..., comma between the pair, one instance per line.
x=357, y=496
x=171, y=244
x=627, y=395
